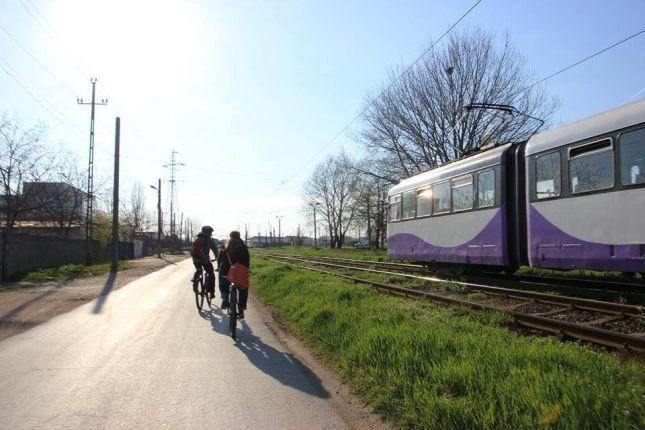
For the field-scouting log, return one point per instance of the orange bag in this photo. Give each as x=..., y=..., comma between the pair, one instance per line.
x=238, y=274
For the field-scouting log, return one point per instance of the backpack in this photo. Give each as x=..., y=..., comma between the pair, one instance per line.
x=197, y=247
x=238, y=274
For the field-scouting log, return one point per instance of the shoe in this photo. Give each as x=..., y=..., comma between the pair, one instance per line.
x=224, y=304
x=240, y=315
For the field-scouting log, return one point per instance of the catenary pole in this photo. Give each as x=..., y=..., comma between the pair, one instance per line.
x=159, y=225
x=115, y=196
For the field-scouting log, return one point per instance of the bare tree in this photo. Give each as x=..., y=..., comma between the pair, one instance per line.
x=137, y=218
x=66, y=198
x=332, y=187
x=23, y=159
x=420, y=120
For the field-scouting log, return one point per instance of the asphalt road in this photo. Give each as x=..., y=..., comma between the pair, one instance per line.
x=143, y=357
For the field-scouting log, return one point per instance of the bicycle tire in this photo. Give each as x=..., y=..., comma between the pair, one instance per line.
x=232, y=316
x=207, y=293
x=199, y=293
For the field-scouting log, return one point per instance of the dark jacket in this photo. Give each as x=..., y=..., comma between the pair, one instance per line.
x=202, y=247
x=239, y=254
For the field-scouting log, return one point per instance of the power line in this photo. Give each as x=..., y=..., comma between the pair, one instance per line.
x=571, y=66
x=8, y=70
x=28, y=52
x=51, y=36
x=406, y=71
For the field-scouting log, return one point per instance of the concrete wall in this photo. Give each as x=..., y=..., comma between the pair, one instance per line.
x=29, y=252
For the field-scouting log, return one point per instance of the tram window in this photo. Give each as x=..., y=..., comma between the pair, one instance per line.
x=632, y=157
x=591, y=167
x=441, y=198
x=547, y=175
x=424, y=201
x=409, y=205
x=395, y=207
x=486, y=188
x=462, y=193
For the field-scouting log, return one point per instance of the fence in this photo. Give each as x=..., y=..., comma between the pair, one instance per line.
x=29, y=252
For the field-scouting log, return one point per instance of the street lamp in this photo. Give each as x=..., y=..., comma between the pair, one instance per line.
x=313, y=205
x=159, y=226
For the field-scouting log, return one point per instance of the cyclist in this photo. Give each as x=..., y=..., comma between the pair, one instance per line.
x=201, y=256
x=239, y=253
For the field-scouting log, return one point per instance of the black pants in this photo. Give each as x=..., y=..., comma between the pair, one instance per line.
x=242, y=294
x=208, y=266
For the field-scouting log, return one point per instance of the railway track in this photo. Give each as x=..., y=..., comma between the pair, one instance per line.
x=614, y=325
x=632, y=293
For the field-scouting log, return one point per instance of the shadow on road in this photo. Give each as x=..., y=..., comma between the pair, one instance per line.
x=281, y=366
x=107, y=287
x=15, y=311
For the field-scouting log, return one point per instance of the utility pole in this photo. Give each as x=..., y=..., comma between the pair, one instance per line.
x=89, y=206
x=181, y=227
x=115, y=197
x=314, y=205
x=279, y=217
x=159, y=224
x=173, y=166
x=369, y=223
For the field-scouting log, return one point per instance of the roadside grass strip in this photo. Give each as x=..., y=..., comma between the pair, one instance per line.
x=420, y=365
x=69, y=272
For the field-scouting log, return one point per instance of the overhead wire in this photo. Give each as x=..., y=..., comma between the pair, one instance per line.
x=394, y=82
x=12, y=73
x=577, y=63
x=52, y=37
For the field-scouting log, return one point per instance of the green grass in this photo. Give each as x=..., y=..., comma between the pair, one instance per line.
x=68, y=272
x=423, y=366
x=358, y=254
x=381, y=255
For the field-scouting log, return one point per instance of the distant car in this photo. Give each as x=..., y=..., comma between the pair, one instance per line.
x=362, y=243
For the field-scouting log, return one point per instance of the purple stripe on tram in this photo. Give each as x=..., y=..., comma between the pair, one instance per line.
x=488, y=247
x=552, y=248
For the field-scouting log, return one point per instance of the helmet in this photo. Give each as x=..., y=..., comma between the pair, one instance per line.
x=207, y=229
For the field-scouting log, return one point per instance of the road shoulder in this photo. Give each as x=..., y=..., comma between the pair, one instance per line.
x=24, y=305
x=348, y=406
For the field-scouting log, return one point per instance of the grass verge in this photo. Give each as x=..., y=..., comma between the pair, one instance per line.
x=423, y=366
x=69, y=272
x=381, y=255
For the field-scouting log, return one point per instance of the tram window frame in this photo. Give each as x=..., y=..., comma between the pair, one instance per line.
x=557, y=190
x=621, y=160
x=459, y=187
x=412, y=195
x=421, y=191
x=394, y=200
x=494, y=188
x=586, y=151
x=434, y=198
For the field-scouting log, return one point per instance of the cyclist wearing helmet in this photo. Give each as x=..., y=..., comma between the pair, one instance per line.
x=201, y=256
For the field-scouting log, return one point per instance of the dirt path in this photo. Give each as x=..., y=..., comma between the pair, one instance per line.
x=26, y=304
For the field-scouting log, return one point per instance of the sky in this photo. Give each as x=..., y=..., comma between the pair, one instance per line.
x=253, y=94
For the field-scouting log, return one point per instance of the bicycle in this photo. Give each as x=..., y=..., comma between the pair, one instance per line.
x=232, y=310
x=200, y=288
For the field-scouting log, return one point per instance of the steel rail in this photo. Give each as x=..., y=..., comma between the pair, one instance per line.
x=574, y=286
x=559, y=328
x=574, y=302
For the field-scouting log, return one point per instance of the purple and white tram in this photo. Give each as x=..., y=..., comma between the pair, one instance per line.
x=570, y=198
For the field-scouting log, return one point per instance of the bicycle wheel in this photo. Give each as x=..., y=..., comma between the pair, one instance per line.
x=232, y=316
x=199, y=293
x=206, y=292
